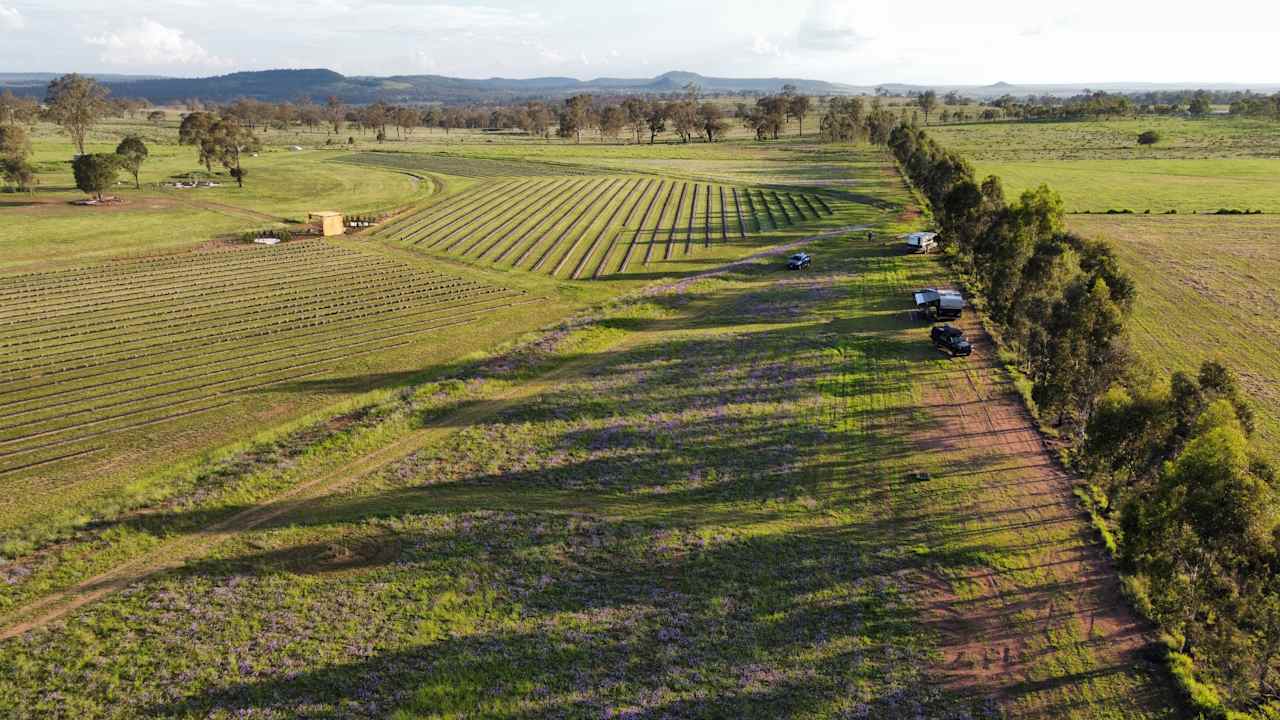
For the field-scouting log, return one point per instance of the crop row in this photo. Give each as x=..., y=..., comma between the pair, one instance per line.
x=246, y=321
x=211, y=305
x=120, y=280
x=99, y=407
x=576, y=226
x=160, y=371
x=103, y=316
x=42, y=439
x=469, y=167
x=144, y=342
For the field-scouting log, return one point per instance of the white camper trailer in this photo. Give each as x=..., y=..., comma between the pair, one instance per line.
x=922, y=242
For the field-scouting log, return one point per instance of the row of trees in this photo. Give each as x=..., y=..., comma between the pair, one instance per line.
x=1192, y=501
x=1059, y=300
x=1262, y=106
x=1197, y=527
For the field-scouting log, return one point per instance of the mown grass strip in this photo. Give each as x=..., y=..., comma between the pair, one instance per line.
x=644, y=219
x=657, y=224
x=517, y=214
x=737, y=208
x=581, y=200
x=555, y=272
x=585, y=214
x=675, y=222
x=608, y=223
x=560, y=201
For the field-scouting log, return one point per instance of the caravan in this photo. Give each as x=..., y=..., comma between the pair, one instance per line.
x=922, y=242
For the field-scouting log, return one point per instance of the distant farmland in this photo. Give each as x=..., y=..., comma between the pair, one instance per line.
x=583, y=228
x=468, y=167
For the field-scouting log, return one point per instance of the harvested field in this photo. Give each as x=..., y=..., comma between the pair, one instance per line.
x=93, y=352
x=583, y=228
x=468, y=167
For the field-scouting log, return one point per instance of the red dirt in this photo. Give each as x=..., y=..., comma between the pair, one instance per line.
x=994, y=626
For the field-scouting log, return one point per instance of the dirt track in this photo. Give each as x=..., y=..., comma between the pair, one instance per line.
x=996, y=625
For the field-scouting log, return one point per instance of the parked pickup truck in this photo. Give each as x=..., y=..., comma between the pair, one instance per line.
x=951, y=339
x=799, y=261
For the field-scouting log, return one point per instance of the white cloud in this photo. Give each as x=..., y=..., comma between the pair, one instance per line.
x=11, y=19
x=151, y=43
x=763, y=46
x=837, y=26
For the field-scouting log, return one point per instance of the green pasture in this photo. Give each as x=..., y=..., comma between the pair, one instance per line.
x=1186, y=186
x=1205, y=289
x=733, y=501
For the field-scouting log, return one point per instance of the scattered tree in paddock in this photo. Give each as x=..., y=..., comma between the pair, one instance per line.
x=76, y=103
x=95, y=173
x=133, y=152
x=335, y=112
x=15, y=148
x=798, y=107
x=194, y=130
x=844, y=121
x=1201, y=104
x=927, y=101
x=576, y=116
x=612, y=121
x=711, y=118
x=227, y=141
x=16, y=110
x=683, y=115
x=637, y=116
x=156, y=117
x=1148, y=137
x=656, y=120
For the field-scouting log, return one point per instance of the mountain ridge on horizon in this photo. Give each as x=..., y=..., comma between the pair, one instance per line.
x=318, y=83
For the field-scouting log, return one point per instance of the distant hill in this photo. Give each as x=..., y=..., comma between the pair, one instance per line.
x=1019, y=90
x=317, y=84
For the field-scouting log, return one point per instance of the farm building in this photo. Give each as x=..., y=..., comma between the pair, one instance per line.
x=330, y=222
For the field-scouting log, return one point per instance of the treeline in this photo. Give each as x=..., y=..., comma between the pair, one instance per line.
x=1058, y=300
x=1187, y=502
x=1262, y=106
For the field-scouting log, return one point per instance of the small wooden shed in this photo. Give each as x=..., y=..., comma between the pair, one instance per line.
x=330, y=222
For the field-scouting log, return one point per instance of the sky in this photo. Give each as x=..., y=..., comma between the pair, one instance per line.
x=855, y=42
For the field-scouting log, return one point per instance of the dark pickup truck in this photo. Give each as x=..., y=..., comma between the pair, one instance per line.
x=951, y=339
x=799, y=261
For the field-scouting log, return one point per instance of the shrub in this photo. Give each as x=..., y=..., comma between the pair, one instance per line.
x=1148, y=137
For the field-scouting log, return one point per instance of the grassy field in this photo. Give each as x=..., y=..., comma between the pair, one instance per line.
x=1205, y=286
x=1199, y=166
x=747, y=494
x=43, y=230
x=1203, y=280
x=601, y=227
x=531, y=449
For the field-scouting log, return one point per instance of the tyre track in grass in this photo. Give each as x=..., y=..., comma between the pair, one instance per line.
x=1036, y=594
x=173, y=554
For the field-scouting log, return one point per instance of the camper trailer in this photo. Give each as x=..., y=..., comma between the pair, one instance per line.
x=935, y=304
x=922, y=242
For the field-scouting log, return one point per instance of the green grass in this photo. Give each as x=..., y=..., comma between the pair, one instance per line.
x=1187, y=186
x=43, y=230
x=1203, y=281
x=711, y=516
x=1204, y=285
x=1212, y=138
